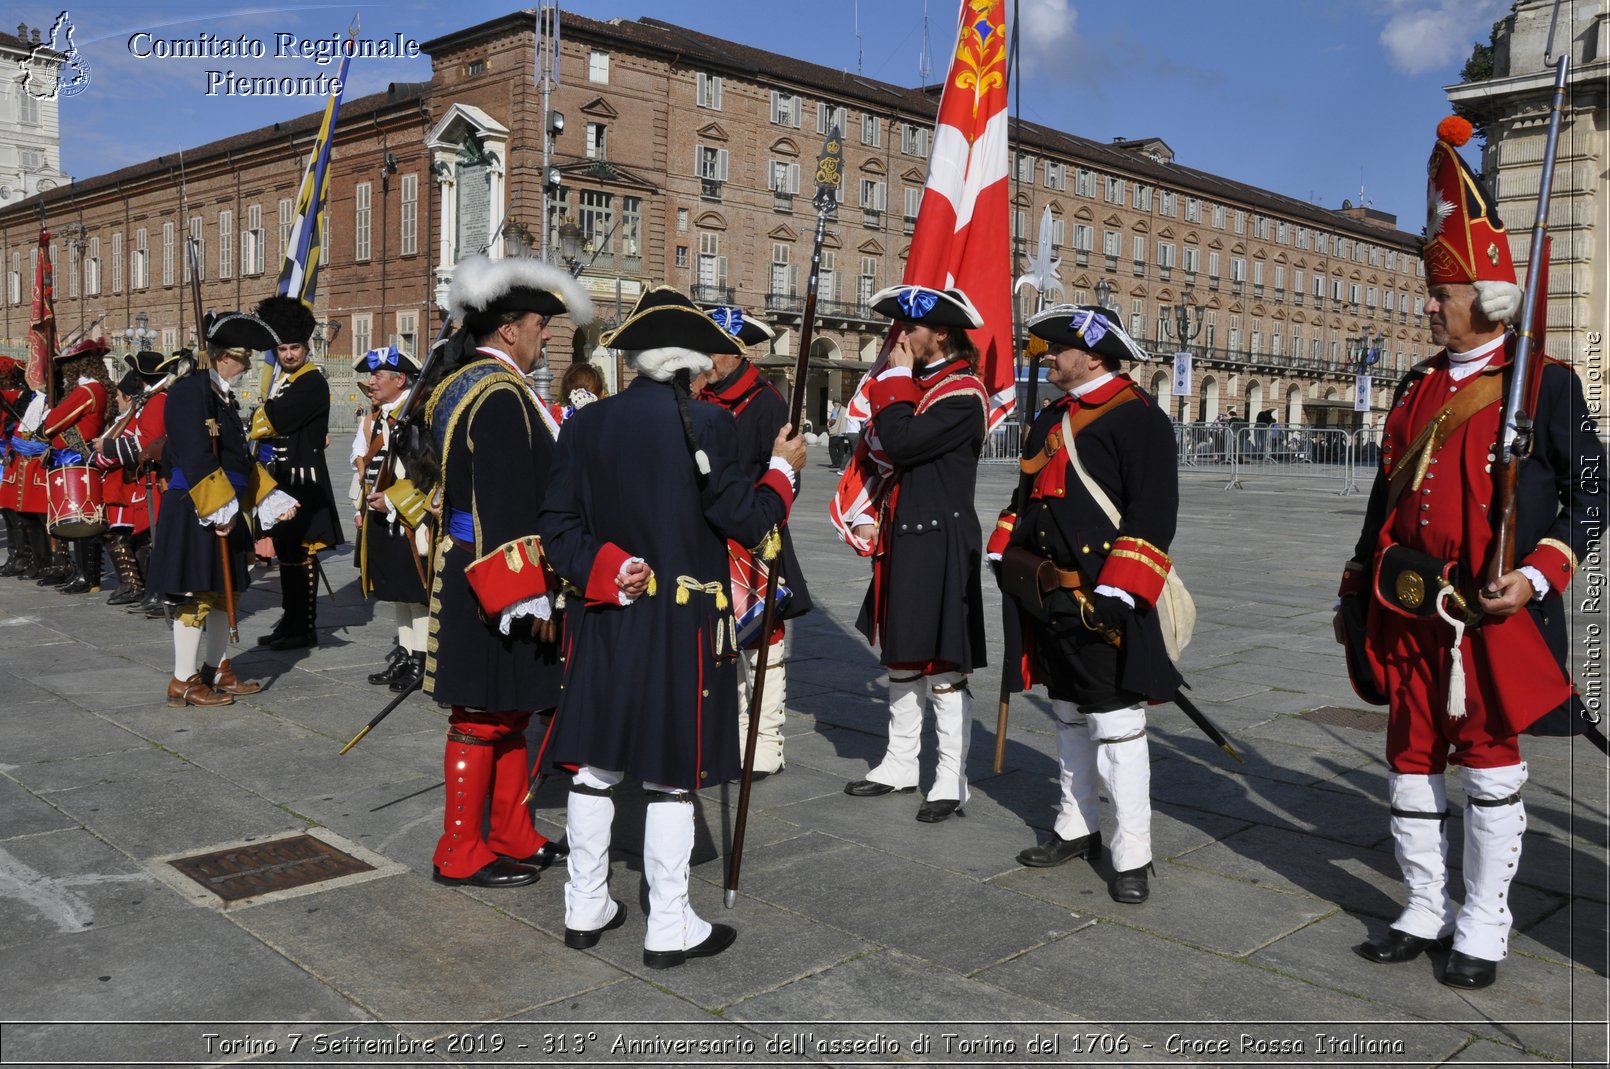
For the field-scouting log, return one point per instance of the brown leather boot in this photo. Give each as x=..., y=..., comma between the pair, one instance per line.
x=223, y=678
x=192, y=691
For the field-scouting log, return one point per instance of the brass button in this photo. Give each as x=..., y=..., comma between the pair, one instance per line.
x=1084, y=549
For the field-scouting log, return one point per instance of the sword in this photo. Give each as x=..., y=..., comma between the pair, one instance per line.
x=378, y=717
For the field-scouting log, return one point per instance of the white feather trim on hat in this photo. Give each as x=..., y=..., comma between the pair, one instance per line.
x=1500, y=302
x=480, y=280
x=661, y=365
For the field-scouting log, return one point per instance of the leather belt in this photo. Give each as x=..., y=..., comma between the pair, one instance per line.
x=1071, y=579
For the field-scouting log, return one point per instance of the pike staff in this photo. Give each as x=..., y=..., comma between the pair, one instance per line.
x=829, y=176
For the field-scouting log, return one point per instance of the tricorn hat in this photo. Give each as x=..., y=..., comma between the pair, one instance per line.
x=1465, y=239
x=668, y=333
x=484, y=288
x=131, y=384
x=388, y=359
x=152, y=366
x=289, y=319
x=241, y=331
x=1089, y=327
x=745, y=328
x=927, y=307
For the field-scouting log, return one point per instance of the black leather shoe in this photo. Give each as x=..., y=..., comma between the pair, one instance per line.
x=1469, y=973
x=761, y=774
x=296, y=640
x=720, y=938
x=504, y=872
x=276, y=634
x=388, y=673
x=79, y=585
x=549, y=852
x=865, y=788
x=1397, y=947
x=1130, y=887
x=1056, y=850
x=576, y=939
x=125, y=595
x=410, y=673
x=936, y=809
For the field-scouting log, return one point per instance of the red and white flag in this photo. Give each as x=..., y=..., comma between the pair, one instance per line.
x=962, y=240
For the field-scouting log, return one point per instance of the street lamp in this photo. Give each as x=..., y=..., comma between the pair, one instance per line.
x=570, y=237
x=1184, y=328
x=139, y=336
x=1104, y=292
x=1363, y=352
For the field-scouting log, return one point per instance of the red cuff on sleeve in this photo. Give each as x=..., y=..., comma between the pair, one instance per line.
x=601, y=588
x=779, y=484
x=893, y=390
x=1002, y=534
x=511, y=573
x=1136, y=567
x=1354, y=580
x=1553, y=562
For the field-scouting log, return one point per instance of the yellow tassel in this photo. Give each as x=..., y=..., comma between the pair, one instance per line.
x=770, y=546
x=681, y=595
x=721, y=601
x=653, y=584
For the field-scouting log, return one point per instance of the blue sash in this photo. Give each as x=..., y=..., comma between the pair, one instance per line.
x=178, y=480
x=61, y=458
x=28, y=447
x=461, y=525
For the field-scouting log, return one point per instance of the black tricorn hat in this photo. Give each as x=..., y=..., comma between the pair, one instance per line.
x=288, y=318
x=1086, y=326
x=666, y=319
x=152, y=366
x=131, y=384
x=388, y=359
x=240, y=330
x=927, y=307
x=744, y=327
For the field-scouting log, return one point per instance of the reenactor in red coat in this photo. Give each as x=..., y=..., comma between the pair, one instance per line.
x=130, y=461
x=925, y=606
x=76, y=420
x=1465, y=668
x=1095, y=640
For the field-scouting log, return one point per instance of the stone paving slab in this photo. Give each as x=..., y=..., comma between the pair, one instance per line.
x=69, y=882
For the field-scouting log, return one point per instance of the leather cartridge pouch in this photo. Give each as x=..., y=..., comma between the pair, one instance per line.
x=1408, y=581
x=1027, y=578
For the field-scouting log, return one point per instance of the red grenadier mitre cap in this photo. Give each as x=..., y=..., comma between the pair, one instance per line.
x=1465, y=239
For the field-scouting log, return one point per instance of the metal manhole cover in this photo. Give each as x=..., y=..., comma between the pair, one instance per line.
x=261, y=868
x=1340, y=717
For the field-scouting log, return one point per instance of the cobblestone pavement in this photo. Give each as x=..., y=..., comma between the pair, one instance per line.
x=864, y=936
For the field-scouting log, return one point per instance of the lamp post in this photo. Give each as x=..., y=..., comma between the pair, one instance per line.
x=1363, y=352
x=1104, y=292
x=139, y=335
x=1184, y=328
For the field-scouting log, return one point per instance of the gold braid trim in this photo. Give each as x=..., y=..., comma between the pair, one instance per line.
x=1563, y=548
x=1143, y=558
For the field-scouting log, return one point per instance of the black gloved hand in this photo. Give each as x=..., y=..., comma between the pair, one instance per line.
x=1109, y=613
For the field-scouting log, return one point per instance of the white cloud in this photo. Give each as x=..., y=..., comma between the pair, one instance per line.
x=1427, y=35
x=1046, y=34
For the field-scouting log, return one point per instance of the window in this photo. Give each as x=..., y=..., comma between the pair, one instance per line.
x=1213, y=265
x=1137, y=318
x=1084, y=182
x=871, y=131
x=1165, y=255
x=362, y=333
x=1391, y=259
x=117, y=264
x=1056, y=233
x=682, y=256
x=1025, y=168
x=1274, y=344
x=1369, y=298
x=1257, y=273
x=830, y=117
x=14, y=279
x=1260, y=228
x=707, y=90
x=1280, y=278
x=1143, y=198
x=682, y=221
x=1019, y=221
x=1319, y=287
x=140, y=262
x=1115, y=189
x=251, y=241
x=1111, y=243
x=408, y=332
x=1296, y=283
x=631, y=226
x=712, y=265
x=595, y=217
x=1336, y=290
x=92, y=268
x=474, y=69
x=1240, y=221
x=913, y=202
x=597, y=133
x=226, y=244
x=31, y=159
x=1238, y=269
x=784, y=108
x=1167, y=205
x=866, y=283
x=783, y=277
x=72, y=266
x=1353, y=293
x=1140, y=251
x=360, y=225
x=1193, y=210
x=827, y=278
x=874, y=195
x=1193, y=259
x=914, y=139
x=784, y=177
x=1283, y=232
x=598, y=66
x=410, y=214
x=711, y=165
x=28, y=108
x=1218, y=216
x=285, y=228
x=1304, y=239
x=1056, y=175
x=1256, y=345
x=1084, y=237
x=1403, y=304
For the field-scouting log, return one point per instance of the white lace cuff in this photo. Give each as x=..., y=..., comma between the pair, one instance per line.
x=229, y=511
x=274, y=508
x=620, y=595
x=1115, y=592
x=779, y=464
x=540, y=606
x=1540, y=586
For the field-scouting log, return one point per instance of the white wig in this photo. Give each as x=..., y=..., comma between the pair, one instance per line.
x=661, y=365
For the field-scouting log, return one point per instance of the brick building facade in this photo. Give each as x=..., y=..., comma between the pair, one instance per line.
x=687, y=159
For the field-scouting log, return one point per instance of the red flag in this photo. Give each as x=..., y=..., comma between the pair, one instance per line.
x=42, y=328
x=962, y=238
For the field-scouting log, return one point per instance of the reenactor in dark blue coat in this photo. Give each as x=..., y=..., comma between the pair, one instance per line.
x=492, y=655
x=215, y=485
x=646, y=492
x=1094, y=640
x=736, y=385
x=926, y=601
x=290, y=429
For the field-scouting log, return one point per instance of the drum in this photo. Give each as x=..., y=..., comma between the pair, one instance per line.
x=748, y=584
x=77, y=508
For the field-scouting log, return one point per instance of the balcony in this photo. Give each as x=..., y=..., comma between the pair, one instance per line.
x=872, y=218
x=1112, y=262
x=782, y=202
x=1139, y=267
x=910, y=224
x=1257, y=290
x=718, y=293
x=710, y=188
x=785, y=304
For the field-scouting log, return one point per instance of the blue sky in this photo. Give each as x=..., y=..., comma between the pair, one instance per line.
x=1304, y=97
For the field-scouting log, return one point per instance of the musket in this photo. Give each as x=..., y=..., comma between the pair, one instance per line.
x=63, y=344
x=378, y=717
x=1042, y=275
x=217, y=449
x=1515, y=428
x=829, y=176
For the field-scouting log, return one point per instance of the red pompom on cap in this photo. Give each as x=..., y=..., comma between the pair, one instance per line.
x=1455, y=130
